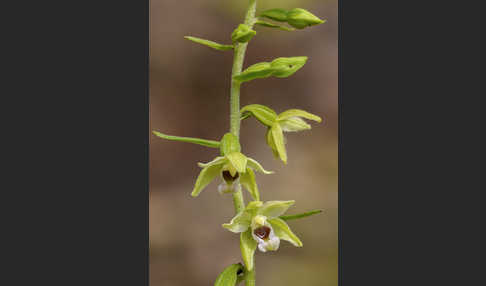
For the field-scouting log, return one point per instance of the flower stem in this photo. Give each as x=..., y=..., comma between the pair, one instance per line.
x=239, y=57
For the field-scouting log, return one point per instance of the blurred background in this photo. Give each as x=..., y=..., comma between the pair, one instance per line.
x=189, y=96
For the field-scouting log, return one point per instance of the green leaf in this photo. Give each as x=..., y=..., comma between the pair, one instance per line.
x=229, y=275
x=283, y=231
x=238, y=161
x=285, y=67
x=259, y=70
x=205, y=177
x=298, y=113
x=210, y=44
x=248, y=246
x=229, y=144
x=270, y=25
x=257, y=167
x=301, y=215
x=239, y=223
x=301, y=18
x=242, y=34
x=279, y=15
x=294, y=124
x=207, y=143
x=262, y=113
x=278, y=140
x=273, y=209
x=248, y=181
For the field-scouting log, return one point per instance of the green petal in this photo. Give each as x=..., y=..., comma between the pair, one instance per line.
x=229, y=144
x=262, y=113
x=271, y=143
x=210, y=44
x=216, y=161
x=298, y=113
x=248, y=181
x=253, y=206
x=273, y=209
x=285, y=67
x=238, y=161
x=294, y=124
x=199, y=141
x=257, y=167
x=283, y=231
x=239, y=223
x=229, y=275
x=205, y=177
x=248, y=246
x=278, y=140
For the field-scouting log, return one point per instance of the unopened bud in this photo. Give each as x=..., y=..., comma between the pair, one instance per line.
x=300, y=18
x=242, y=34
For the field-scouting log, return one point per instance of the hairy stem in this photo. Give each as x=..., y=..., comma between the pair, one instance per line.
x=239, y=57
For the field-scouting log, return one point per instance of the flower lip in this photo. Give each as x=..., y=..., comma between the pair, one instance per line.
x=228, y=178
x=262, y=232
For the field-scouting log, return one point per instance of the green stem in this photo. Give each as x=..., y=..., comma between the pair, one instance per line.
x=239, y=57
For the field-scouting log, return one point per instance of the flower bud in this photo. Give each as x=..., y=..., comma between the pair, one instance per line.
x=242, y=34
x=300, y=18
x=279, y=15
x=285, y=67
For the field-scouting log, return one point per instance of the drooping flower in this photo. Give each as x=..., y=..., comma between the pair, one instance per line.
x=259, y=226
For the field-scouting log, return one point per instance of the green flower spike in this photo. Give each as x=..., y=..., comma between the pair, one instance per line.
x=288, y=121
x=233, y=167
x=259, y=225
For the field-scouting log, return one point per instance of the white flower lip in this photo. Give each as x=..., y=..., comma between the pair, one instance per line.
x=266, y=238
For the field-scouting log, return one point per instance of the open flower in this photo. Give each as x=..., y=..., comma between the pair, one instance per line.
x=288, y=121
x=234, y=169
x=260, y=226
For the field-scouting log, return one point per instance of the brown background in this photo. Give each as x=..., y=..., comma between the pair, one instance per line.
x=189, y=96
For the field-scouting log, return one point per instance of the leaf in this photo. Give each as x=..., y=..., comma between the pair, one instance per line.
x=257, y=167
x=273, y=209
x=229, y=144
x=279, y=15
x=248, y=181
x=270, y=25
x=285, y=67
x=239, y=223
x=207, y=143
x=278, y=140
x=262, y=113
x=282, y=230
x=248, y=246
x=294, y=124
x=205, y=177
x=210, y=44
x=301, y=215
x=298, y=113
x=238, y=161
x=259, y=70
x=229, y=275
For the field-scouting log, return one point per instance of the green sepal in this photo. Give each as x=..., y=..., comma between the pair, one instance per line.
x=294, y=124
x=259, y=70
x=279, y=15
x=203, y=142
x=229, y=275
x=253, y=206
x=282, y=230
x=257, y=167
x=242, y=34
x=239, y=223
x=301, y=215
x=216, y=161
x=270, y=25
x=248, y=246
x=285, y=67
x=248, y=181
x=229, y=144
x=271, y=143
x=298, y=113
x=278, y=142
x=273, y=209
x=265, y=115
x=301, y=18
x=210, y=44
x=238, y=161
x=205, y=177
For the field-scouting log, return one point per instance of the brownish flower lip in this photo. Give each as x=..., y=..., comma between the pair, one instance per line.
x=262, y=232
x=228, y=178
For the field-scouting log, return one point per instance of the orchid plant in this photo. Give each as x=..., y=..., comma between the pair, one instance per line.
x=260, y=224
